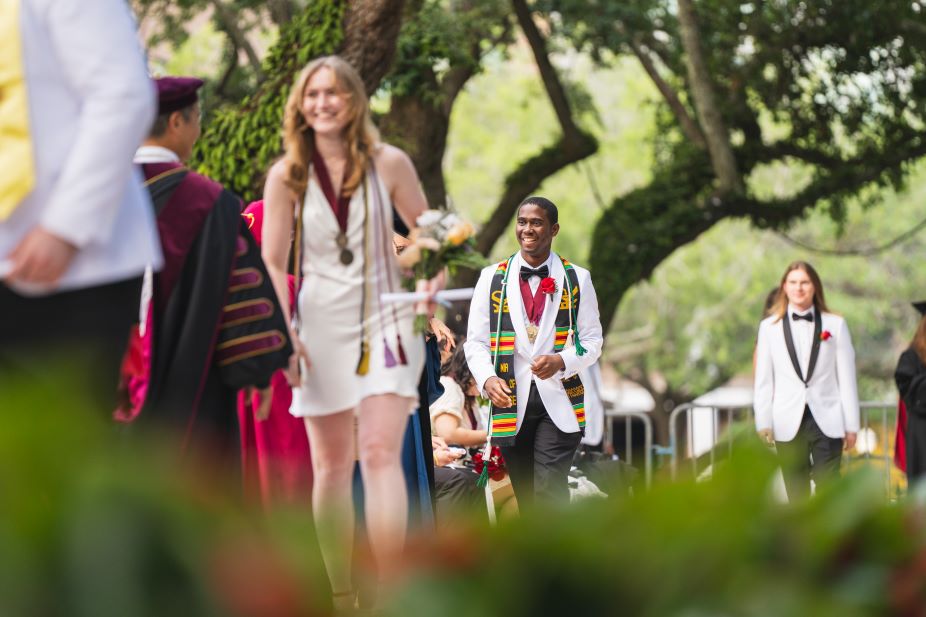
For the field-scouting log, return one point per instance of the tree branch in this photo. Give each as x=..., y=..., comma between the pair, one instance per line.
x=573, y=146
x=783, y=149
x=705, y=101
x=229, y=23
x=551, y=82
x=526, y=178
x=687, y=123
x=232, y=64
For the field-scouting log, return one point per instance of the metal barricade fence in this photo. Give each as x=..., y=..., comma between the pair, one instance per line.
x=873, y=446
x=610, y=414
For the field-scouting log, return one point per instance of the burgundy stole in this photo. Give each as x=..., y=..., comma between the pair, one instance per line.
x=340, y=205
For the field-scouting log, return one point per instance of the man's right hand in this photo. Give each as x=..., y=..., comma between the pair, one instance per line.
x=41, y=258
x=498, y=392
x=766, y=435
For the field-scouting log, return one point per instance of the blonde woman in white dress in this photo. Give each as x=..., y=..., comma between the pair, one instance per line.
x=355, y=358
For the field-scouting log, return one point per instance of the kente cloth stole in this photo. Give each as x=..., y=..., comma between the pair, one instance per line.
x=501, y=344
x=17, y=166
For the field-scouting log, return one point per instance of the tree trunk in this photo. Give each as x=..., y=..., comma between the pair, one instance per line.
x=702, y=92
x=420, y=128
x=371, y=28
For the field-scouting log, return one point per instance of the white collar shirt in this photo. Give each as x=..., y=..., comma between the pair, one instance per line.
x=91, y=104
x=155, y=154
x=802, y=335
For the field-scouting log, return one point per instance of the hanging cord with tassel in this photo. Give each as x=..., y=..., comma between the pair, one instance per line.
x=381, y=231
x=573, y=317
x=363, y=365
x=483, y=480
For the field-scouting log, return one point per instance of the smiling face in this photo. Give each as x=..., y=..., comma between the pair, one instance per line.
x=535, y=233
x=799, y=289
x=325, y=104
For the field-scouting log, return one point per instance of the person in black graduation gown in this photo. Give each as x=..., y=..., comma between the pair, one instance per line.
x=910, y=377
x=212, y=321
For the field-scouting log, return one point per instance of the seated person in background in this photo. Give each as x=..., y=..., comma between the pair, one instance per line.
x=454, y=415
x=455, y=490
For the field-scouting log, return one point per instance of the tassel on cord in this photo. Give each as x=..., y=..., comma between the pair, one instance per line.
x=363, y=367
x=483, y=480
x=580, y=351
x=403, y=360
x=390, y=357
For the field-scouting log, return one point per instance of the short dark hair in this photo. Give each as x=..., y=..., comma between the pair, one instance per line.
x=542, y=202
x=160, y=124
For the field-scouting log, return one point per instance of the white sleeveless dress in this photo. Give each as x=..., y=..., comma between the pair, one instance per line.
x=332, y=298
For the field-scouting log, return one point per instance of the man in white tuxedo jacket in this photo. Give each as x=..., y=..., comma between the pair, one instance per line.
x=76, y=225
x=553, y=333
x=805, y=399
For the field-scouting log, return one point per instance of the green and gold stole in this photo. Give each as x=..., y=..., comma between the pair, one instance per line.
x=503, y=426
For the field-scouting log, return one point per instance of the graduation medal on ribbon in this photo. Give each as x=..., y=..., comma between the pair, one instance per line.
x=346, y=256
x=532, y=331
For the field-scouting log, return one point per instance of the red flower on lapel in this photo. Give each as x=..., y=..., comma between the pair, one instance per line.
x=548, y=286
x=825, y=335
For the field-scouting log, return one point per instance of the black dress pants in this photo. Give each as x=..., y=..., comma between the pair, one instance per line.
x=811, y=454
x=539, y=461
x=83, y=332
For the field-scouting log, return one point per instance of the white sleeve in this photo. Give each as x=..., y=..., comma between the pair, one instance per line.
x=764, y=387
x=95, y=43
x=589, y=327
x=845, y=375
x=476, y=346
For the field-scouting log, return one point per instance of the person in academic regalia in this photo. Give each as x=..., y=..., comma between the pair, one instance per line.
x=210, y=320
x=806, y=398
x=910, y=377
x=76, y=229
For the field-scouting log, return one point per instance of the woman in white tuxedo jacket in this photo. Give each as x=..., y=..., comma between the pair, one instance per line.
x=805, y=399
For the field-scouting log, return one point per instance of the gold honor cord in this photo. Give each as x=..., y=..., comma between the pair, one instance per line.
x=17, y=168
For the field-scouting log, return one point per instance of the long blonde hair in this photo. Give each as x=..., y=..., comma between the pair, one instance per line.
x=360, y=133
x=780, y=305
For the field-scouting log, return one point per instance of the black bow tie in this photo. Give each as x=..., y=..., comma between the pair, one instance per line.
x=807, y=317
x=543, y=272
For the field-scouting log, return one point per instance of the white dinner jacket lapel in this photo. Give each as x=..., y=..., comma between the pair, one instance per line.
x=548, y=322
x=516, y=306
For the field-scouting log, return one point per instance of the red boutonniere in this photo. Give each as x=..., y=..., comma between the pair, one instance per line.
x=825, y=335
x=548, y=286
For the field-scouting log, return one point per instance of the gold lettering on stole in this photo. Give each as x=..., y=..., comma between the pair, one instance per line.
x=503, y=367
x=575, y=391
x=564, y=302
x=511, y=384
x=496, y=299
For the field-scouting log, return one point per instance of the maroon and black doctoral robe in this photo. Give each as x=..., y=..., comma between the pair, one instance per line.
x=216, y=324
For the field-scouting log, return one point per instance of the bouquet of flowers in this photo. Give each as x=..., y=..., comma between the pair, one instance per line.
x=496, y=467
x=441, y=239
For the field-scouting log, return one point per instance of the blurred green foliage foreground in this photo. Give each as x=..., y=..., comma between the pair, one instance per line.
x=93, y=523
